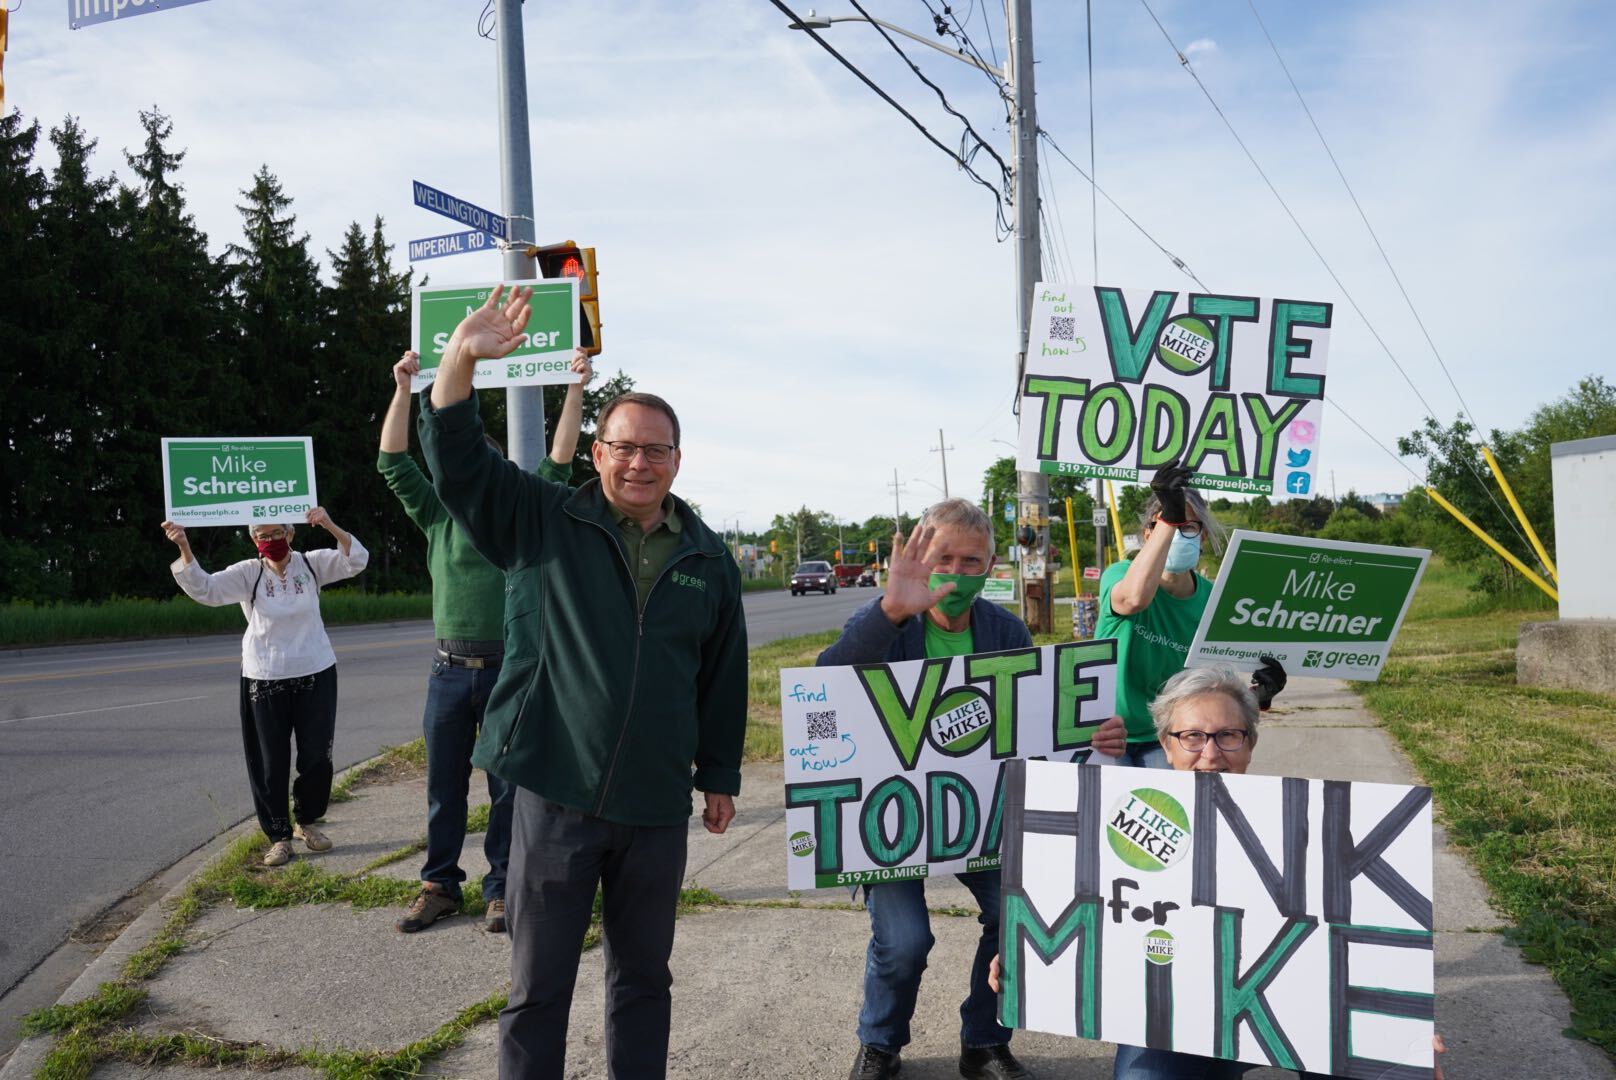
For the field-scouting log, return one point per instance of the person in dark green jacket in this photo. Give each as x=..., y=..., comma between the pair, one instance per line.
x=624, y=687
x=468, y=609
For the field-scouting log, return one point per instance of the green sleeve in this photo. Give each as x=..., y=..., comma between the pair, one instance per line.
x=554, y=471
x=721, y=699
x=413, y=489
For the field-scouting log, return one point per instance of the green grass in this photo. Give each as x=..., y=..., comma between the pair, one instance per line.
x=22, y=623
x=1525, y=779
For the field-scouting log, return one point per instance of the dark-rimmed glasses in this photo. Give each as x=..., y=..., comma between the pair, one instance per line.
x=1189, y=530
x=656, y=453
x=1229, y=740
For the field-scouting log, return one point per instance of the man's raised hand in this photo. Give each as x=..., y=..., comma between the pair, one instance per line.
x=909, y=590
x=408, y=366
x=495, y=329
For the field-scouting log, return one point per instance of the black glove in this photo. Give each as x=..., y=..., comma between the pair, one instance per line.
x=1267, y=681
x=1170, y=483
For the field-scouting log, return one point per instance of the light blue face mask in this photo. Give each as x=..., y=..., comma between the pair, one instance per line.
x=1183, y=554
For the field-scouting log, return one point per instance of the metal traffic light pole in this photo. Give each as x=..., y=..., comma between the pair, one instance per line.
x=524, y=405
x=1032, y=488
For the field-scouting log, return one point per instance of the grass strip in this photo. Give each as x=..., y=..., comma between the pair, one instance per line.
x=24, y=623
x=1525, y=778
x=763, y=738
x=393, y=763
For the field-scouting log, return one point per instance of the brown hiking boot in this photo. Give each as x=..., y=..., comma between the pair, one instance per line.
x=494, y=921
x=432, y=903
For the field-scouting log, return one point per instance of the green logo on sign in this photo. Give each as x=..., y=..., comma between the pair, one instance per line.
x=802, y=844
x=1185, y=345
x=1159, y=947
x=1148, y=829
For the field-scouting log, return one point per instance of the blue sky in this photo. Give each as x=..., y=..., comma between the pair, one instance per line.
x=818, y=290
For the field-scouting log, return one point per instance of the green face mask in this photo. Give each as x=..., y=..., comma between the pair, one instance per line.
x=966, y=586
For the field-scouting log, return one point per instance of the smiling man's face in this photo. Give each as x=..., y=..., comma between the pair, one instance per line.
x=636, y=487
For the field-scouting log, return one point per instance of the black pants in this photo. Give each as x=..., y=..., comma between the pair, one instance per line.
x=557, y=858
x=272, y=711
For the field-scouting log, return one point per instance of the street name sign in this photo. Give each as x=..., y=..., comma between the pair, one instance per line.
x=247, y=481
x=81, y=13
x=440, y=202
x=1262, y=919
x=545, y=357
x=1322, y=608
x=455, y=243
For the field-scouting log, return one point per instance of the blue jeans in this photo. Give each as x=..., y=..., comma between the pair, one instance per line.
x=1144, y=755
x=1138, y=1063
x=900, y=938
x=455, y=700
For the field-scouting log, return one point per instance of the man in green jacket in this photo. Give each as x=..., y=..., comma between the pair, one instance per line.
x=468, y=611
x=624, y=687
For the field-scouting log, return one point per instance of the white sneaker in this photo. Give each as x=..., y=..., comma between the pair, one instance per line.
x=312, y=837
x=279, y=854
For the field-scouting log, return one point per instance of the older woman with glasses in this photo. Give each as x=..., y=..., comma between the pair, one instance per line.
x=1151, y=604
x=288, y=670
x=1205, y=720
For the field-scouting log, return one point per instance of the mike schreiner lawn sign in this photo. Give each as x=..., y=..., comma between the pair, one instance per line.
x=247, y=481
x=544, y=357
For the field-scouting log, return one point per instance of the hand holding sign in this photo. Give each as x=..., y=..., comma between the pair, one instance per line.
x=408, y=366
x=909, y=590
x=1169, y=485
x=176, y=533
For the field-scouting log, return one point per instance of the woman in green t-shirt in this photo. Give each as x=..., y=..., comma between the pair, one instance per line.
x=1151, y=604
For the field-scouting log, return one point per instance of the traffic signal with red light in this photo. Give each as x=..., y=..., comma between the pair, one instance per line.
x=567, y=259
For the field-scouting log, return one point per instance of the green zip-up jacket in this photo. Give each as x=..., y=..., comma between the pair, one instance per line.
x=601, y=706
x=469, y=604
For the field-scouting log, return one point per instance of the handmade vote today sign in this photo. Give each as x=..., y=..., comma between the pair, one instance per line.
x=1250, y=918
x=893, y=771
x=1121, y=381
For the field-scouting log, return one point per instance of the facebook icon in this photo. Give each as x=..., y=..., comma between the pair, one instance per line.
x=1297, y=483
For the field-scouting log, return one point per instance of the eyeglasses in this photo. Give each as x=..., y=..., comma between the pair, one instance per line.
x=1228, y=740
x=656, y=453
x=1189, y=530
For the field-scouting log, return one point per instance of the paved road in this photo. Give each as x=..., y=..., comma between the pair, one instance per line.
x=117, y=760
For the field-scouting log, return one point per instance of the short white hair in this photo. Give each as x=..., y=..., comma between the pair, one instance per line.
x=961, y=513
x=1198, y=681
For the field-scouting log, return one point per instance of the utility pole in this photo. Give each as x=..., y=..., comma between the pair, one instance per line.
x=524, y=405
x=1032, y=488
x=897, y=515
x=1100, y=506
x=943, y=450
x=799, y=539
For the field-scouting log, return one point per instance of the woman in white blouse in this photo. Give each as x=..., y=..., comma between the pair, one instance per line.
x=288, y=671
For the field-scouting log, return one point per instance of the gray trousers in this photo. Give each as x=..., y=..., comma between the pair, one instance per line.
x=558, y=857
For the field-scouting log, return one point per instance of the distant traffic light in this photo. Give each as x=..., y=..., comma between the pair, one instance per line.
x=872, y=545
x=774, y=547
x=567, y=259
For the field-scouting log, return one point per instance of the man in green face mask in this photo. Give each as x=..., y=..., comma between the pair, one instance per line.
x=931, y=608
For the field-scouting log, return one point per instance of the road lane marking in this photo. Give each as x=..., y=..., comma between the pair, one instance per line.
x=232, y=659
x=109, y=708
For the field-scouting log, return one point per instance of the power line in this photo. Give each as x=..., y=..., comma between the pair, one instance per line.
x=1362, y=215
x=1174, y=259
x=921, y=75
x=998, y=197
x=1190, y=68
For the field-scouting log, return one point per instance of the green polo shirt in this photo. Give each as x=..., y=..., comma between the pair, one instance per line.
x=940, y=642
x=648, y=552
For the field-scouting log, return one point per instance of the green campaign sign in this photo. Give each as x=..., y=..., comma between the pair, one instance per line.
x=238, y=481
x=545, y=356
x=1120, y=381
x=1323, y=608
x=1000, y=587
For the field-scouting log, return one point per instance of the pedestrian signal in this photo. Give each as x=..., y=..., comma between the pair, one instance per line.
x=567, y=259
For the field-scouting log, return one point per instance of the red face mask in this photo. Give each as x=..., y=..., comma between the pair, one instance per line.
x=273, y=550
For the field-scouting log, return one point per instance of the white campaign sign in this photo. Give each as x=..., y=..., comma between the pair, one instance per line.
x=893, y=770
x=1120, y=381
x=1251, y=918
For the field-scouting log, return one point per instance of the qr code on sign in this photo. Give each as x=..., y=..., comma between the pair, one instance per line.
x=822, y=725
x=1062, y=327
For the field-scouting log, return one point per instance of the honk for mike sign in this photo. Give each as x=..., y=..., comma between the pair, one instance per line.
x=1322, y=608
x=238, y=481
x=894, y=771
x=544, y=355
x=1250, y=918
x=1120, y=381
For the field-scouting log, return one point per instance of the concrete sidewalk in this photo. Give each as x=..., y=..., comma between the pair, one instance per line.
x=760, y=990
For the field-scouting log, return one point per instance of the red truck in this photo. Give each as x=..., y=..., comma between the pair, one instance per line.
x=849, y=576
